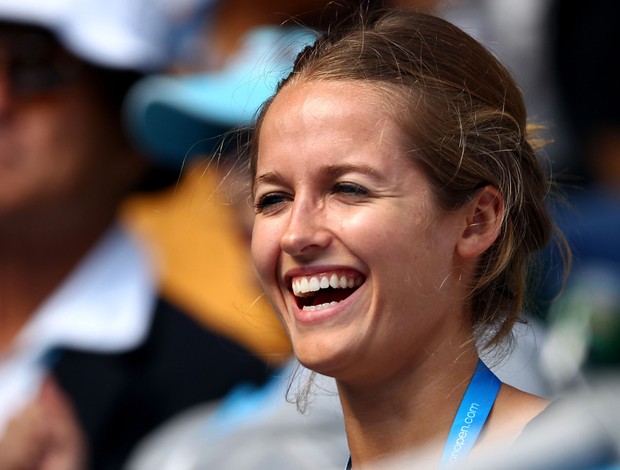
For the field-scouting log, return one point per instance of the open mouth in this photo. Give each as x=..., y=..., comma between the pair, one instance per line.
x=324, y=290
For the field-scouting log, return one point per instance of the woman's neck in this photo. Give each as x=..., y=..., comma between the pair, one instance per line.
x=412, y=411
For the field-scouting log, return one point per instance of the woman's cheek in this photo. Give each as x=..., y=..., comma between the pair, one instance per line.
x=258, y=250
x=265, y=250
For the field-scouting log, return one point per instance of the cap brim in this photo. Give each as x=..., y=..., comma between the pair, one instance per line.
x=177, y=117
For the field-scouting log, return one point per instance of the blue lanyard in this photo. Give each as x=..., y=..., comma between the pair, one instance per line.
x=470, y=417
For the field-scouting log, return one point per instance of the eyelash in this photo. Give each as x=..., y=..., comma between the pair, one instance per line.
x=350, y=188
x=270, y=200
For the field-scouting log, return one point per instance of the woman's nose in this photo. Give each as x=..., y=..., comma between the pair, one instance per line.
x=306, y=231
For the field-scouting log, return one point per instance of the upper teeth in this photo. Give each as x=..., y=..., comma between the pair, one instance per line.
x=305, y=284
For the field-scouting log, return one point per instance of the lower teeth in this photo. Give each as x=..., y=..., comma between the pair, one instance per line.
x=320, y=306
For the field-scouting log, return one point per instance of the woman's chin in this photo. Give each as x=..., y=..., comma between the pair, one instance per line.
x=322, y=356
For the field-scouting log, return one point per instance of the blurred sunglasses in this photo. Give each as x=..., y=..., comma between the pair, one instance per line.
x=33, y=62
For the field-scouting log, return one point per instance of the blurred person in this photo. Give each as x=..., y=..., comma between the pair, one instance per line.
x=92, y=356
x=401, y=128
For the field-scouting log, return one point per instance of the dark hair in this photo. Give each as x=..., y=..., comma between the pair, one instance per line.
x=465, y=121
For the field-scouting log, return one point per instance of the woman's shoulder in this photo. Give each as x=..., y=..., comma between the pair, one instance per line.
x=540, y=420
x=514, y=409
x=524, y=405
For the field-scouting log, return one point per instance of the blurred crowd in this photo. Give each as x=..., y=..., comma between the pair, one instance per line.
x=133, y=333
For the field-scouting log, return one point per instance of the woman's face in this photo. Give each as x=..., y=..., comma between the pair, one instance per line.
x=352, y=250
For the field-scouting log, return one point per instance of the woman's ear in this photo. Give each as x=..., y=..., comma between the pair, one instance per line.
x=484, y=222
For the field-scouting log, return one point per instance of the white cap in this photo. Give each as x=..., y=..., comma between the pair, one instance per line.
x=125, y=34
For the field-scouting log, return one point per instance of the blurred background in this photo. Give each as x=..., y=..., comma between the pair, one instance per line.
x=185, y=78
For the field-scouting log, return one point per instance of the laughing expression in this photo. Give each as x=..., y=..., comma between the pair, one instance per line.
x=349, y=244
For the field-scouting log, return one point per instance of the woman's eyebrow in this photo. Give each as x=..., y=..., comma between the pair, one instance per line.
x=268, y=177
x=338, y=169
x=331, y=170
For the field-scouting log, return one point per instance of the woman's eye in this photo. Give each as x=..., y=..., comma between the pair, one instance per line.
x=350, y=188
x=270, y=201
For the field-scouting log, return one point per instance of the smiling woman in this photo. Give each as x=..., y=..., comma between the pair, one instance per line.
x=398, y=200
